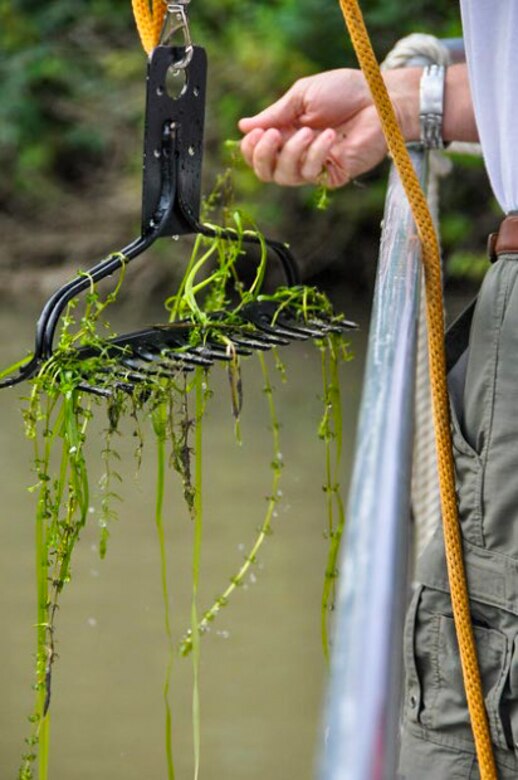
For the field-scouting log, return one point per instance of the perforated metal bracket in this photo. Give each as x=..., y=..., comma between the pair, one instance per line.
x=173, y=139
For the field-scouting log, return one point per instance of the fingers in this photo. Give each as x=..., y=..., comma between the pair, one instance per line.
x=289, y=159
x=316, y=156
x=287, y=170
x=260, y=149
x=248, y=144
x=283, y=113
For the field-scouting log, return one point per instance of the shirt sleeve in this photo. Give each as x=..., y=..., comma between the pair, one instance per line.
x=491, y=42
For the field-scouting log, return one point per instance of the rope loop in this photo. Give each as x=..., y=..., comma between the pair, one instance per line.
x=149, y=20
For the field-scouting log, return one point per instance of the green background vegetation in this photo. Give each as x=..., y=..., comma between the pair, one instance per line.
x=71, y=104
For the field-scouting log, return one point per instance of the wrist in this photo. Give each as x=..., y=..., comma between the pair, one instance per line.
x=458, y=115
x=403, y=87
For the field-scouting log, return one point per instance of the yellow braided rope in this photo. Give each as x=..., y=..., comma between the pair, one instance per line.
x=149, y=21
x=435, y=318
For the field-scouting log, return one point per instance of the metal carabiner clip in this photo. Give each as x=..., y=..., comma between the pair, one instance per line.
x=176, y=22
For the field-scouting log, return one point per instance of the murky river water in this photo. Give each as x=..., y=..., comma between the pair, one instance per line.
x=262, y=668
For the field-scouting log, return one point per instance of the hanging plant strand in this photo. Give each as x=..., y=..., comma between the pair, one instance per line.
x=212, y=299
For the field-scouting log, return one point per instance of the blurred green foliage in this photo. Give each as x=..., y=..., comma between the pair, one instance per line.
x=71, y=101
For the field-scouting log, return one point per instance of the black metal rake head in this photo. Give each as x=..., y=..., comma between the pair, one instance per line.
x=173, y=147
x=165, y=350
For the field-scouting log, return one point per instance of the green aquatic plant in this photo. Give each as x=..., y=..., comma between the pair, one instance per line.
x=61, y=404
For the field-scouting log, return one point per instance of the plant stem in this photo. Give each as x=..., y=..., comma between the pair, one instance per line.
x=187, y=642
x=331, y=433
x=160, y=426
x=196, y=559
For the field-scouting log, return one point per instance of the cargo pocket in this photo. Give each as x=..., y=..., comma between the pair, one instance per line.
x=435, y=697
x=493, y=657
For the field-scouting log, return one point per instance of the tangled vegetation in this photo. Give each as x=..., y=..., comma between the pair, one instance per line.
x=167, y=399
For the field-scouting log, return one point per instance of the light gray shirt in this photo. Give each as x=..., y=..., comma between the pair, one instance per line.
x=491, y=41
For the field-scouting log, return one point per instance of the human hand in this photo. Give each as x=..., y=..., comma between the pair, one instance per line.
x=327, y=123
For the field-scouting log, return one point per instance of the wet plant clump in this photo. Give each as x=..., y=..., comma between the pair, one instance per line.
x=170, y=402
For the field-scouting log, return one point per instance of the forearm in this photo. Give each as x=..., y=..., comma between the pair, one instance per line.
x=459, y=118
x=328, y=122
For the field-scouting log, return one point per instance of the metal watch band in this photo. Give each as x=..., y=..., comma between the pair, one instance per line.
x=431, y=102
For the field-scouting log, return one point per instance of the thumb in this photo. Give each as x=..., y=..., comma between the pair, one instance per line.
x=283, y=112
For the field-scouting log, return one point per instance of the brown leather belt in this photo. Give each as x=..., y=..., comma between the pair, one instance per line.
x=505, y=240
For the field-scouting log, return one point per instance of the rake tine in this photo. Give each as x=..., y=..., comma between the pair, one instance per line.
x=170, y=336
x=130, y=375
x=250, y=343
x=212, y=352
x=169, y=340
x=187, y=357
x=263, y=321
x=339, y=326
x=146, y=372
x=221, y=352
x=125, y=386
x=102, y=392
x=272, y=338
x=306, y=329
x=267, y=316
x=310, y=331
x=294, y=334
x=105, y=392
x=222, y=349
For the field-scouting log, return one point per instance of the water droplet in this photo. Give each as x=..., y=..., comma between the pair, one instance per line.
x=91, y=510
x=191, y=150
x=241, y=547
x=175, y=238
x=160, y=91
x=223, y=634
x=196, y=91
x=252, y=578
x=92, y=622
x=280, y=493
x=157, y=153
x=275, y=514
x=94, y=572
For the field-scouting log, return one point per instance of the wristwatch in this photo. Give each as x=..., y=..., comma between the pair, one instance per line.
x=431, y=106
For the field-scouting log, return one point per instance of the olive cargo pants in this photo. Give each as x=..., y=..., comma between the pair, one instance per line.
x=437, y=743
